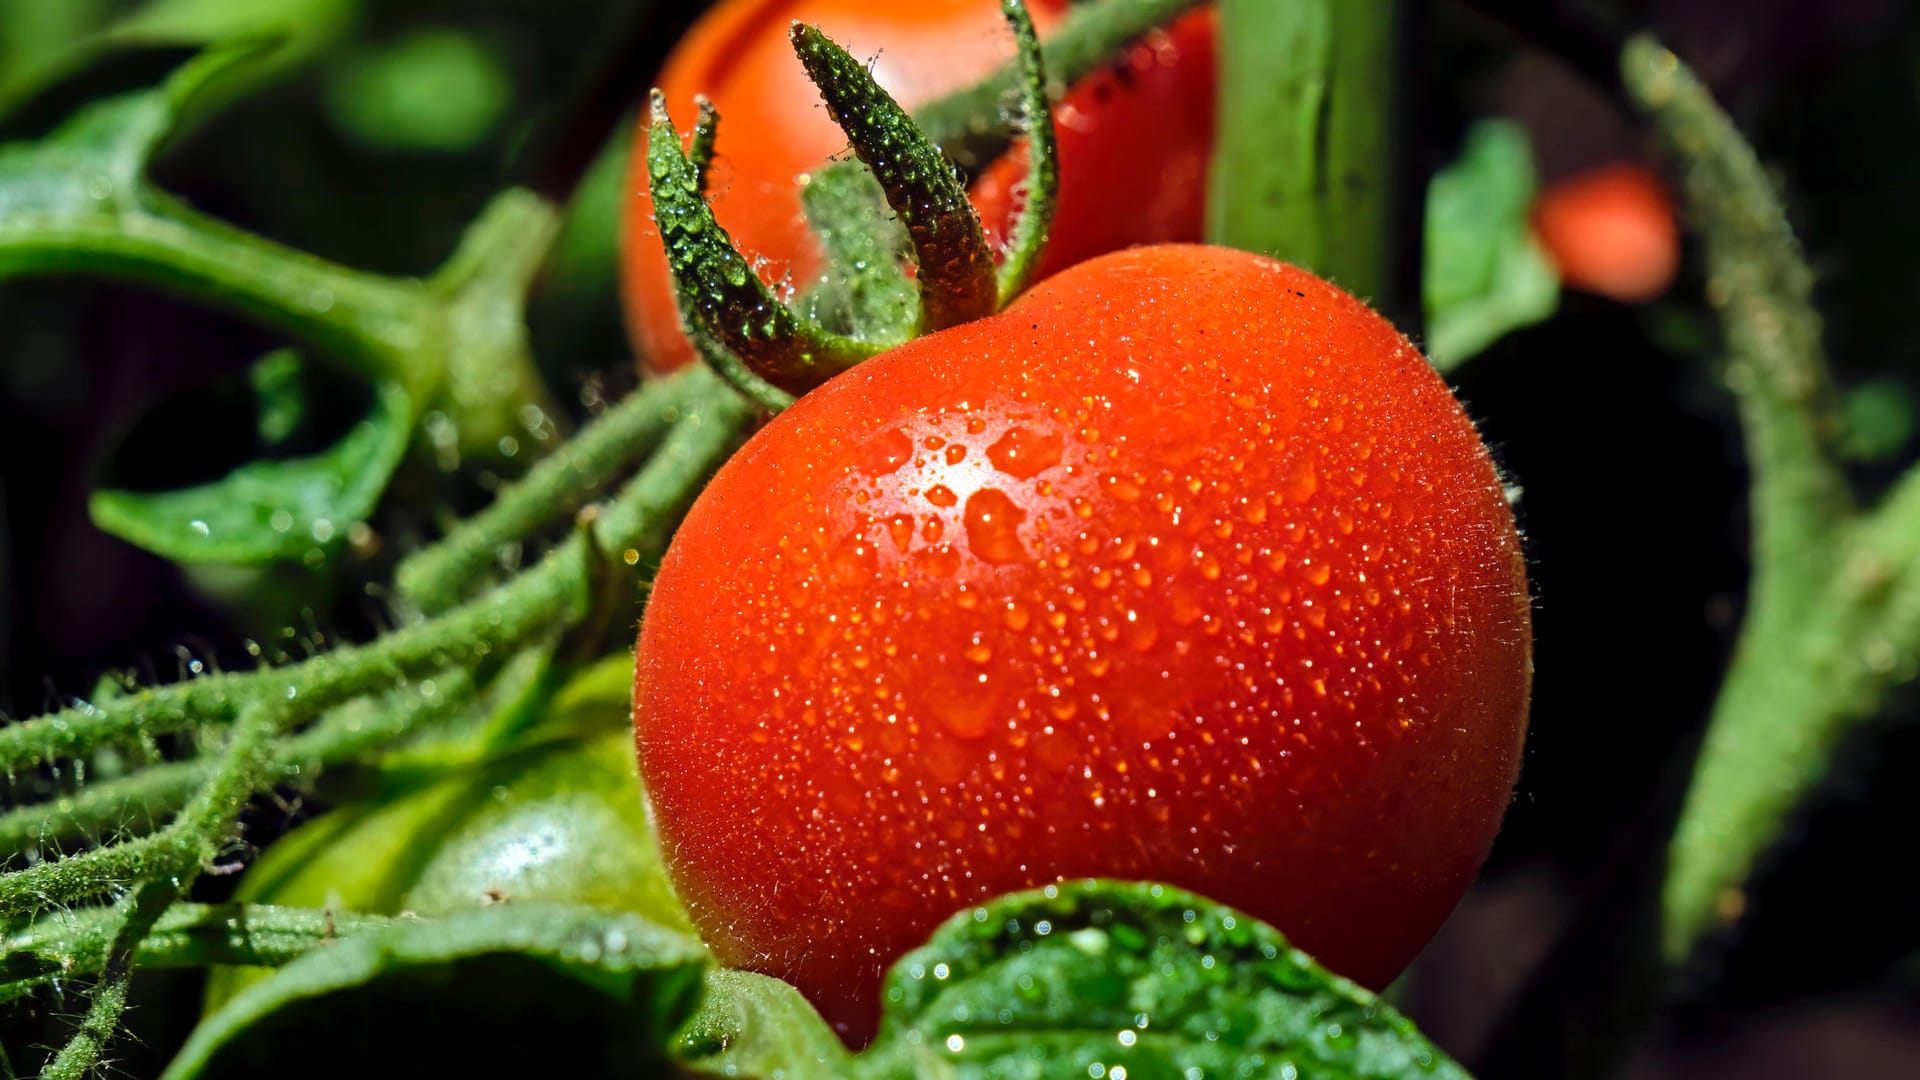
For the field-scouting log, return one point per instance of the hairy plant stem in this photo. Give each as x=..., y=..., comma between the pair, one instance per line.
x=1833, y=616
x=549, y=595
x=77, y=943
x=1029, y=233
x=139, y=801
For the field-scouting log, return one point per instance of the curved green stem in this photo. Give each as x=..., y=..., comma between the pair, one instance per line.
x=1043, y=160
x=1816, y=653
x=956, y=278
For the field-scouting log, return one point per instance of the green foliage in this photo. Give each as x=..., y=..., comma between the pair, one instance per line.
x=1485, y=274
x=1097, y=977
x=572, y=989
x=272, y=508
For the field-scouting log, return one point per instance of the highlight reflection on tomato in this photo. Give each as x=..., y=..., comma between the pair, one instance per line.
x=1185, y=567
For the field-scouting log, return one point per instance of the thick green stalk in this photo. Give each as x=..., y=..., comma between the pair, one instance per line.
x=1304, y=169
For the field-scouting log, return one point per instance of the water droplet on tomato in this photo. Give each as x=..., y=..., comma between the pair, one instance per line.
x=1023, y=454
x=993, y=526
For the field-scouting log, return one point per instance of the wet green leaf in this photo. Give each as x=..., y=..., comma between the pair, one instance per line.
x=557, y=991
x=1485, y=274
x=1088, y=978
x=268, y=509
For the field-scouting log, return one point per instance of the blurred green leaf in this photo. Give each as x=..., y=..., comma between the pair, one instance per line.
x=49, y=40
x=1085, y=978
x=435, y=89
x=553, y=991
x=1485, y=274
x=269, y=509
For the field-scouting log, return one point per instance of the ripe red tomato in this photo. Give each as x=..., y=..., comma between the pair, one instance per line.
x=773, y=128
x=1611, y=231
x=1185, y=567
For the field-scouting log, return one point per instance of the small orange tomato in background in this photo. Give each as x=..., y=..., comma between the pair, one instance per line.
x=1185, y=567
x=1611, y=231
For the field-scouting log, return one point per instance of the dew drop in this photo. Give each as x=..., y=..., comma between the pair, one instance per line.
x=993, y=526
x=1023, y=454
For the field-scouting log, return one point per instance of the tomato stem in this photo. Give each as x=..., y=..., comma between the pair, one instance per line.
x=1029, y=233
x=721, y=296
x=956, y=279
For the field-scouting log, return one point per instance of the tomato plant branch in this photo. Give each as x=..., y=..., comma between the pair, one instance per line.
x=557, y=485
x=178, y=850
x=547, y=596
x=1815, y=655
x=127, y=805
x=956, y=278
x=1043, y=160
x=76, y=943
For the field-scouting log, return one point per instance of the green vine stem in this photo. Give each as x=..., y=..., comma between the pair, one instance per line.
x=1834, y=612
x=549, y=595
x=434, y=577
x=1304, y=169
x=77, y=943
x=1043, y=160
x=177, y=851
x=128, y=805
x=956, y=278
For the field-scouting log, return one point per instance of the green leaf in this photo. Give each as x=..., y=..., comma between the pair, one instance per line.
x=752, y=1025
x=270, y=509
x=1485, y=274
x=552, y=990
x=1087, y=978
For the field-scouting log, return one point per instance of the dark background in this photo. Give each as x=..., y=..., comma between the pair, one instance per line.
x=1607, y=416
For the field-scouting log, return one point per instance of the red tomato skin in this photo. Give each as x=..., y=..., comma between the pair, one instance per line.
x=1611, y=231
x=1186, y=567
x=773, y=127
x=1158, y=96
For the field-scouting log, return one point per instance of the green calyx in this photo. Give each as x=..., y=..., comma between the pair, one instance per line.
x=770, y=350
